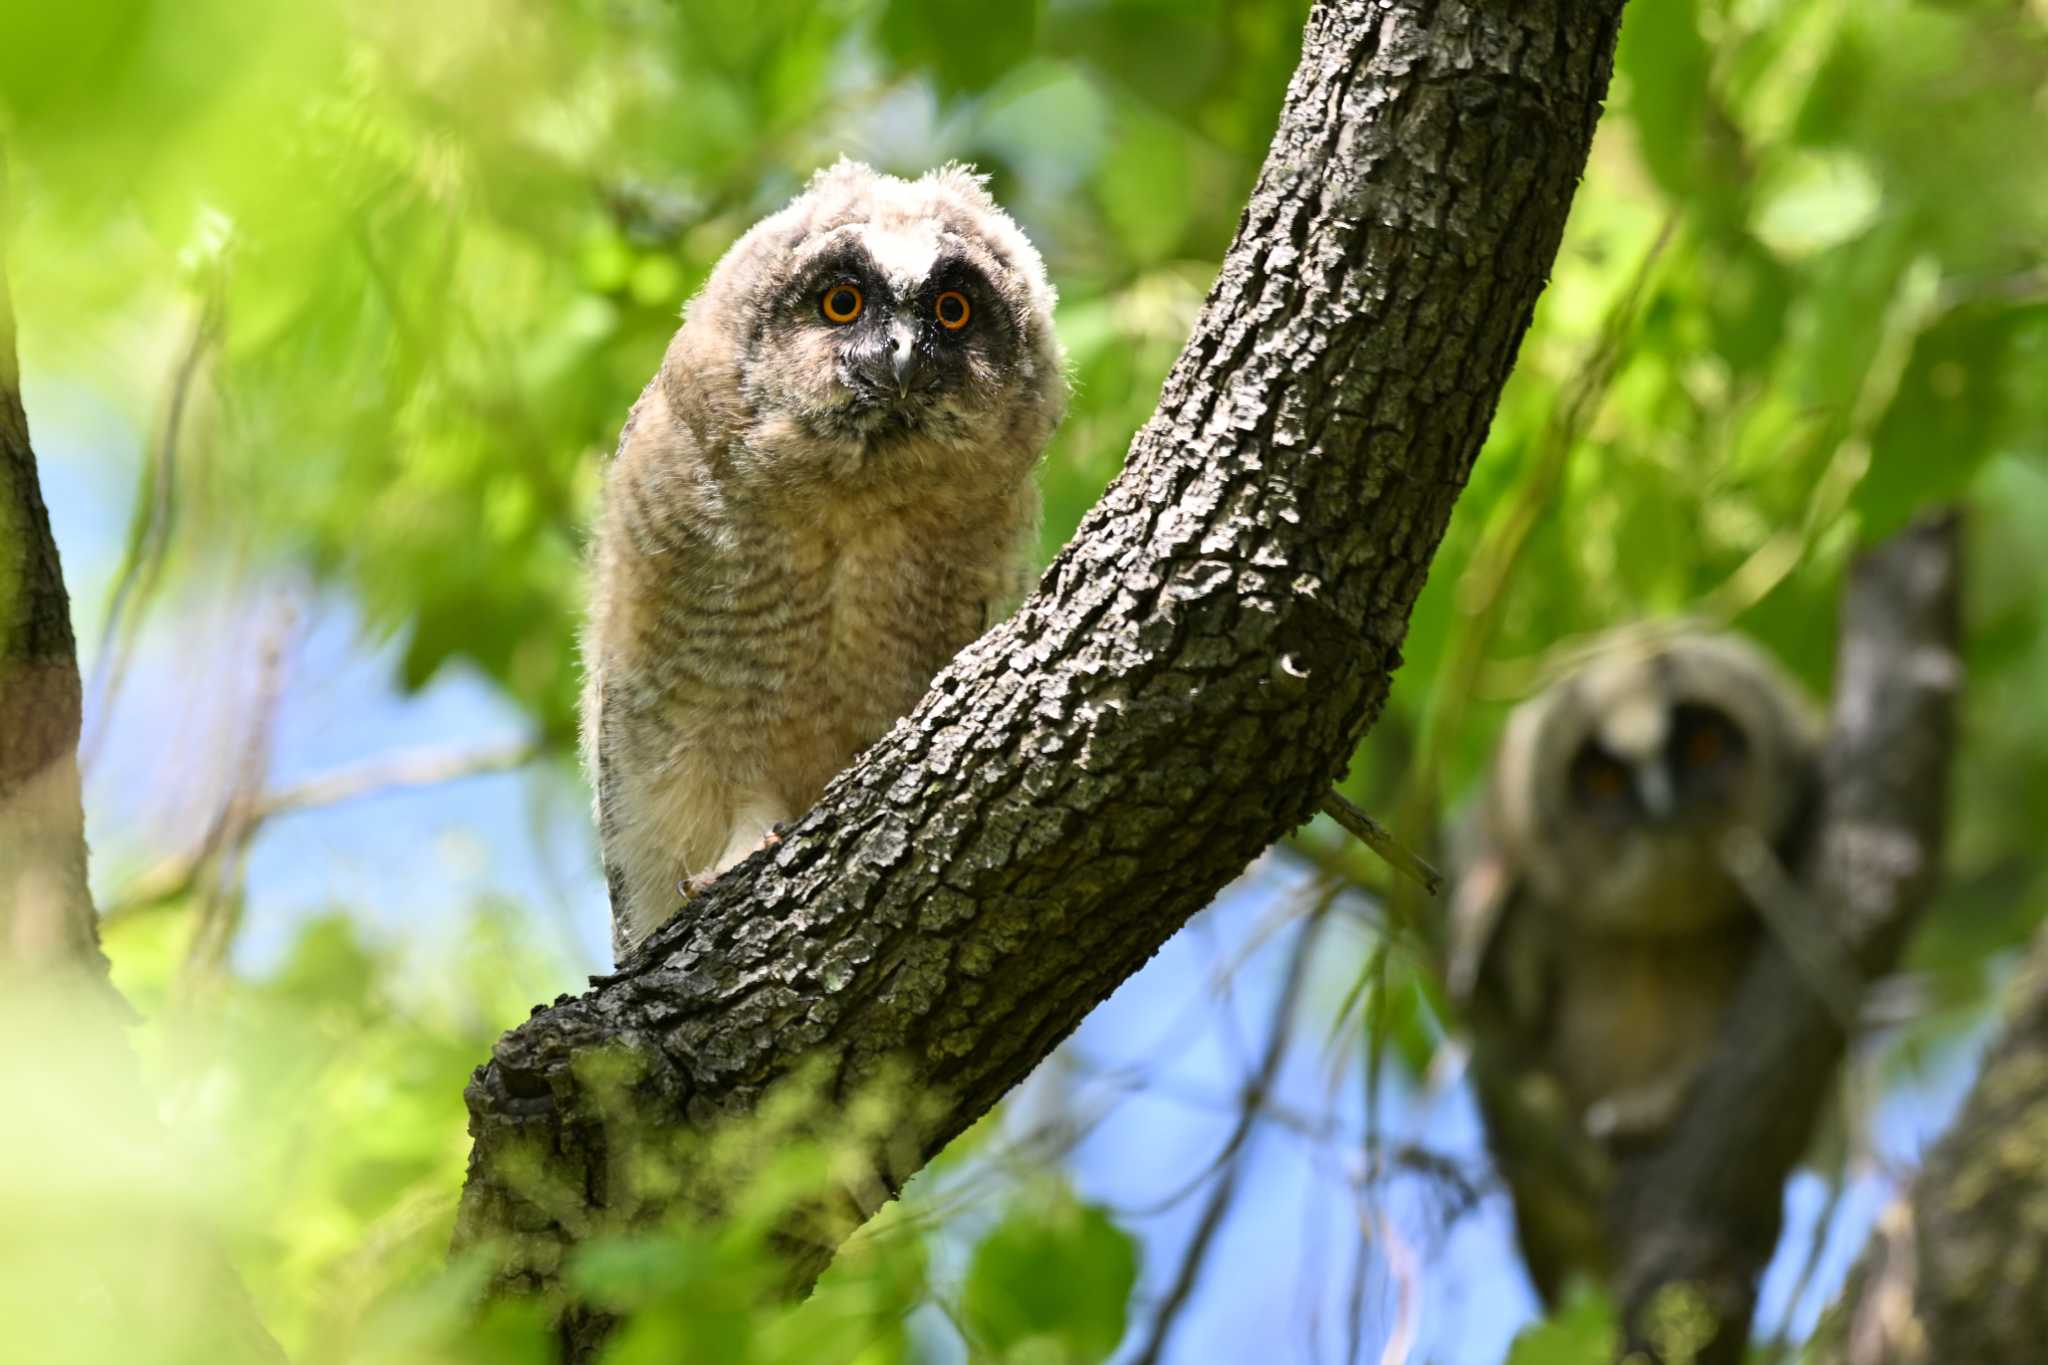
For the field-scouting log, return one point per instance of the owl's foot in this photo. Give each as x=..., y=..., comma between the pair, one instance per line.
x=689, y=888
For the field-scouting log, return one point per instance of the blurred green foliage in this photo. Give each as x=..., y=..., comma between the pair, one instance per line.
x=1050, y=1283
x=399, y=270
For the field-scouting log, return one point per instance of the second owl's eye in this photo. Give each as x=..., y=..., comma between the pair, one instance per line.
x=1704, y=746
x=1600, y=779
x=951, y=309
x=840, y=304
x=1704, y=738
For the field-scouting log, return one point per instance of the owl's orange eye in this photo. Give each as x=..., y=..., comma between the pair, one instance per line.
x=840, y=304
x=951, y=309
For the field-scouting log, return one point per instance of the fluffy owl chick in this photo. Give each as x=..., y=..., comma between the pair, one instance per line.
x=1596, y=932
x=823, y=494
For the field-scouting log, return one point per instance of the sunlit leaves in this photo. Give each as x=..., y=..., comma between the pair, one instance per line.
x=1955, y=406
x=1050, y=1284
x=1808, y=203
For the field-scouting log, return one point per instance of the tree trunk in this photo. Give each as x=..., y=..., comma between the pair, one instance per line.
x=55, y=999
x=1193, y=673
x=1699, y=1217
x=46, y=914
x=1959, y=1271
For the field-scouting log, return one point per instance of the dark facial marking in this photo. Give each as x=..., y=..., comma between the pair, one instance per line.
x=1706, y=753
x=1601, y=785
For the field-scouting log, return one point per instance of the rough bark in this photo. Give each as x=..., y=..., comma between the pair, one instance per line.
x=46, y=914
x=1959, y=1271
x=1191, y=676
x=1699, y=1217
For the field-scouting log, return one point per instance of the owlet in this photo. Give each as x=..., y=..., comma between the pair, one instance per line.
x=1598, y=932
x=821, y=496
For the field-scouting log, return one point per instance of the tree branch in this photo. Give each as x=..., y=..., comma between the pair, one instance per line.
x=1699, y=1217
x=1193, y=673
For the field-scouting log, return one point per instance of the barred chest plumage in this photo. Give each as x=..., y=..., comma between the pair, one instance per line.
x=808, y=641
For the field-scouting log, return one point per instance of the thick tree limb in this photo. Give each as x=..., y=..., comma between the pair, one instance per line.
x=1960, y=1270
x=1699, y=1217
x=1193, y=673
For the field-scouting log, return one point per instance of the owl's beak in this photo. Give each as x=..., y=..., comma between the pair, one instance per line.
x=1653, y=789
x=903, y=354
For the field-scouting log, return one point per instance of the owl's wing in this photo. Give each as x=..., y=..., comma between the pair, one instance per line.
x=1503, y=974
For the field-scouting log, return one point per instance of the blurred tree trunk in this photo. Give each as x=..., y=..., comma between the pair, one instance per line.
x=55, y=998
x=46, y=913
x=1194, y=672
x=1958, y=1270
x=1698, y=1217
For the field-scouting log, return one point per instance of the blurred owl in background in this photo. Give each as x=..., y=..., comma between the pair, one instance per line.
x=1596, y=932
x=823, y=494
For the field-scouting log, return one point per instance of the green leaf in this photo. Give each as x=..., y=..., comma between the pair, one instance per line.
x=1580, y=1332
x=1811, y=201
x=1145, y=188
x=1666, y=61
x=1059, y=1276
x=964, y=47
x=1948, y=415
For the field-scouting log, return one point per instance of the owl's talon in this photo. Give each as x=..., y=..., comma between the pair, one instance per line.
x=689, y=888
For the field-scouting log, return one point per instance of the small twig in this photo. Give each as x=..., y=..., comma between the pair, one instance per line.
x=1376, y=837
x=1225, y=1191
x=419, y=768
x=176, y=875
x=220, y=867
x=149, y=542
x=1406, y=1270
x=1796, y=922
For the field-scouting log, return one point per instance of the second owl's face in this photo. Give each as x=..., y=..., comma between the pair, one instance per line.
x=1688, y=775
x=1615, y=790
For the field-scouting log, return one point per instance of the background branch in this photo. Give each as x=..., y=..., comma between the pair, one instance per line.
x=1699, y=1217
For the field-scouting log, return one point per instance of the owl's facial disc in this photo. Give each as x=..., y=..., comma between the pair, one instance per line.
x=913, y=354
